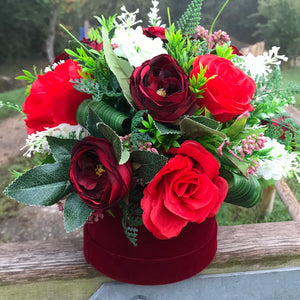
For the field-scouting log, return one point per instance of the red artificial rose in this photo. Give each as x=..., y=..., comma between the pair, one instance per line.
x=96, y=175
x=229, y=93
x=52, y=99
x=187, y=189
x=154, y=32
x=160, y=86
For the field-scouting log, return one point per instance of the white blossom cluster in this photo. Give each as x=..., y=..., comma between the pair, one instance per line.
x=260, y=65
x=37, y=142
x=278, y=164
x=132, y=44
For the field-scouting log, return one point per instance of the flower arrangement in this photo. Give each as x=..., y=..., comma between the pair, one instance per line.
x=164, y=122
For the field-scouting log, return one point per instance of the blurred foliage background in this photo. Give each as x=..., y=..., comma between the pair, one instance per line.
x=26, y=27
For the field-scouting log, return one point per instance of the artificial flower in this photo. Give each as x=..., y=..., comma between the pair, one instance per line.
x=53, y=99
x=96, y=175
x=160, y=86
x=187, y=189
x=229, y=93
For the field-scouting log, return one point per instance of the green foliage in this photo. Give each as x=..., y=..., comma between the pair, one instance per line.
x=197, y=84
x=242, y=191
x=181, y=48
x=76, y=212
x=271, y=99
x=30, y=78
x=52, y=179
x=190, y=18
x=120, y=67
x=224, y=51
x=132, y=216
x=150, y=164
x=279, y=25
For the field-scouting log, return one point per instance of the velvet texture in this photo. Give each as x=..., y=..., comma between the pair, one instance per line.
x=153, y=261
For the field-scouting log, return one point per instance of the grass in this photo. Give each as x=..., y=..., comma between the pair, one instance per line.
x=292, y=75
x=16, y=97
x=8, y=207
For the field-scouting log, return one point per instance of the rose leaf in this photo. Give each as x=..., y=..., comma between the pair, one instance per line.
x=61, y=148
x=42, y=185
x=76, y=212
x=120, y=67
x=150, y=162
x=122, y=155
x=199, y=126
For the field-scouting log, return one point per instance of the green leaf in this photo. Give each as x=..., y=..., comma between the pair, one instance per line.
x=150, y=162
x=236, y=127
x=120, y=67
x=198, y=126
x=102, y=111
x=122, y=155
x=242, y=191
x=76, y=212
x=163, y=129
x=43, y=185
x=61, y=148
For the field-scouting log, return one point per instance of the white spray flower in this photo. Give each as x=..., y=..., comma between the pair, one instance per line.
x=278, y=164
x=154, y=19
x=37, y=142
x=135, y=46
x=260, y=65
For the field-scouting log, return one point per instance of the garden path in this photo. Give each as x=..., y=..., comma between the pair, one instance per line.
x=30, y=222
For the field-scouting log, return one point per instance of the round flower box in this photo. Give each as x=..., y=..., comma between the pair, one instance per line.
x=152, y=261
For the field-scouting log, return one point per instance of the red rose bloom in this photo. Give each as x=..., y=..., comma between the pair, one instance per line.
x=229, y=93
x=96, y=175
x=93, y=44
x=154, y=32
x=187, y=189
x=52, y=99
x=160, y=86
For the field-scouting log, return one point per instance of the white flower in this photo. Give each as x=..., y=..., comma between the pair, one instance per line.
x=127, y=19
x=278, y=164
x=154, y=19
x=37, y=142
x=135, y=46
x=260, y=65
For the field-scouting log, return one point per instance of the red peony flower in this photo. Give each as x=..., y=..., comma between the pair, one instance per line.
x=187, y=189
x=229, y=93
x=160, y=86
x=52, y=99
x=154, y=32
x=96, y=175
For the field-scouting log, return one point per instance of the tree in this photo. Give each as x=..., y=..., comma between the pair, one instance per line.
x=280, y=25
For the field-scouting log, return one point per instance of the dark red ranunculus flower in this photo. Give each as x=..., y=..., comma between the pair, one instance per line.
x=61, y=57
x=155, y=31
x=229, y=93
x=93, y=44
x=161, y=86
x=53, y=99
x=236, y=51
x=187, y=189
x=96, y=175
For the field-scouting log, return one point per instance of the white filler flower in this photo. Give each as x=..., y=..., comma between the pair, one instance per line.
x=279, y=162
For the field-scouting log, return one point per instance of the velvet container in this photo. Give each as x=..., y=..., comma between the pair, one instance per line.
x=152, y=261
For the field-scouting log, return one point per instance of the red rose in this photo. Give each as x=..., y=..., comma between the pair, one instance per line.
x=154, y=32
x=229, y=93
x=96, y=175
x=187, y=189
x=52, y=99
x=160, y=86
